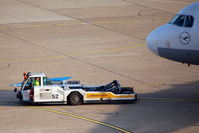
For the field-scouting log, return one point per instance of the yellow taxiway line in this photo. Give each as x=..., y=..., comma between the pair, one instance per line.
x=2, y=28
x=73, y=55
x=71, y=115
x=80, y=117
x=109, y=50
x=81, y=23
x=157, y=99
x=69, y=23
x=32, y=26
x=141, y=98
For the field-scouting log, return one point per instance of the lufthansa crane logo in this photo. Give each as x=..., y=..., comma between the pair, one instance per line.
x=184, y=38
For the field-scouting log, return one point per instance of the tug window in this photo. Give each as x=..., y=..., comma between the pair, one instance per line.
x=29, y=84
x=36, y=81
x=47, y=81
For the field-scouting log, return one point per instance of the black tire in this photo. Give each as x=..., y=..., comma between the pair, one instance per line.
x=75, y=98
x=19, y=95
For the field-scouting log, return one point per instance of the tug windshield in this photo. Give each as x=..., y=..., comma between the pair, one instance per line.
x=47, y=81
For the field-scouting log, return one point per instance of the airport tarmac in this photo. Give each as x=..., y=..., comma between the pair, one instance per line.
x=95, y=41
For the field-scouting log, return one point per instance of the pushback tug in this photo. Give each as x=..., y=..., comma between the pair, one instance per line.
x=60, y=90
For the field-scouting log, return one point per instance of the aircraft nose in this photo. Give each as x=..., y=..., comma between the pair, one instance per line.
x=151, y=42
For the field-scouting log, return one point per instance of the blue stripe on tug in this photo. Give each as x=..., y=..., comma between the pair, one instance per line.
x=59, y=79
x=16, y=85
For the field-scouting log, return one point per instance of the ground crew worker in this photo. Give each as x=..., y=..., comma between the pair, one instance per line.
x=36, y=81
x=24, y=75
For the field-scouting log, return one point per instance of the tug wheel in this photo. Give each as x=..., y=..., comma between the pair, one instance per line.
x=75, y=98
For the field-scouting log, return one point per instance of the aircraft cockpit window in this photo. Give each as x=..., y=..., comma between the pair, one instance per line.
x=179, y=20
x=189, y=21
x=174, y=19
x=182, y=20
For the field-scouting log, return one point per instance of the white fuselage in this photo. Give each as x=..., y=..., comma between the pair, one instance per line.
x=179, y=39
